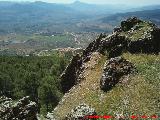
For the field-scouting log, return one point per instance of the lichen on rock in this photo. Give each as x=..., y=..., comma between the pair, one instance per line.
x=80, y=113
x=24, y=109
x=113, y=70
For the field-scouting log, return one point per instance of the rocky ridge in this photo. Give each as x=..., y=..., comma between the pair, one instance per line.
x=134, y=36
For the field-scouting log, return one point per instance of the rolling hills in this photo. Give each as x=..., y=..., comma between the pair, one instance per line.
x=36, y=17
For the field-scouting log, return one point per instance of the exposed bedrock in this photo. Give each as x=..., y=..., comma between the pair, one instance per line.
x=113, y=71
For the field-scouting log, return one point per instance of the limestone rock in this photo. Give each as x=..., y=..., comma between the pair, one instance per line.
x=24, y=109
x=80, y=112
x=113, y=70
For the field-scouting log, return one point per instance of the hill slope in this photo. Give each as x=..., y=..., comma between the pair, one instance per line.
x=129, y=93
x=139, y=95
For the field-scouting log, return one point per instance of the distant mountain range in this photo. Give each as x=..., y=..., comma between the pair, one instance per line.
x=33, y=17
x=152, y=15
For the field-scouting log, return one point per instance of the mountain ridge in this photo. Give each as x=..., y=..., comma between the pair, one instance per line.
x=39, y=16
x=100, y=78
x=152, y=15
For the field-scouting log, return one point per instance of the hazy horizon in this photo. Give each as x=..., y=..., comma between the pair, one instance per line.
x=114, y=2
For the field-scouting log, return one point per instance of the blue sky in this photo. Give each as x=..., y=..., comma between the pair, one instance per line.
x=127, y=2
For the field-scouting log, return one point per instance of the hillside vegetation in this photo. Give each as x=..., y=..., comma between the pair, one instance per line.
x=139, y=95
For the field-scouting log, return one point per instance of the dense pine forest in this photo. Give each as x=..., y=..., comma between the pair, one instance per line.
x=37, y=77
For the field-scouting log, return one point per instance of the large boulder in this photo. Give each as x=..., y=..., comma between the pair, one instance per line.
x=81, y=112
x=113, y=70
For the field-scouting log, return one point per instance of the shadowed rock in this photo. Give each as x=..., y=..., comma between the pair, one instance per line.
x=129, y=23
x=70, y=75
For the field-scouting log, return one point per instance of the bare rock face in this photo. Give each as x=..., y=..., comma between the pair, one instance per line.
x=24, y=109
x=150, y=43
x=113, y=70
x=94, y=46
x=113, y=45
x=129, y=23
x=80, y=113
x=70, y=75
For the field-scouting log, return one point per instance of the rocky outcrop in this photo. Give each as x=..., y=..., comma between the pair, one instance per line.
x=142, y=36
x=129, y=23
x=134, y=36
x=70, y=75
x=112, y=44
x=94, y=46
x=149, y=44
x=113, y=71
x=80, y=113
x=24, y=109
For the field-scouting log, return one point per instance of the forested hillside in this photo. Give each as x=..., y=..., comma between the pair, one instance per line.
x=37, y=77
